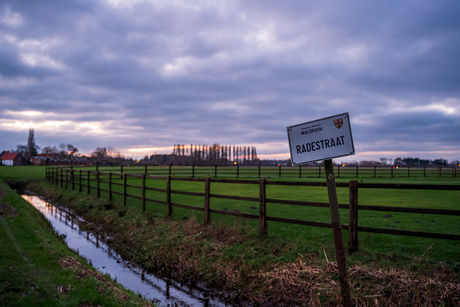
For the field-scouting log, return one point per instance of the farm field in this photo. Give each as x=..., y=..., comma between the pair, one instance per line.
x=404, y=246
x=317, y=238
x=183, y=242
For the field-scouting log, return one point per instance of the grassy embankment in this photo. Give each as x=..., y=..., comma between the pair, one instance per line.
x=36, y=267
x=294, y=264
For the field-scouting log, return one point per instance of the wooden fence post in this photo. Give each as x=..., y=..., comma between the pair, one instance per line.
x=62, y=179
x=66, y=178
x=258, y=171
x=215, y=171
x=353, y=243
x=237, y=171
x=89, y=185
x=207, y=191
x=168, y=197
x=392, y=171
x=300, y=171
x=357, y=171
x=125, y=176
x=145, y=171
x=72, y=178
x=143, y=192
x=98, y=184
x=193, y=171
x=262, y=207
x=79, y=182
x=408, y=171
x=319, y=171
x=110, y=186
x=338, y=171
x=375, y=171
x=170, y=165
x=279, y=170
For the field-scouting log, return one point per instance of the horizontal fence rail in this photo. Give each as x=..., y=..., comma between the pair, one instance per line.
x=118, y=183
x=280, y=171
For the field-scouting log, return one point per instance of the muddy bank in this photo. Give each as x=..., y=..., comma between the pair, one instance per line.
x=242, y=268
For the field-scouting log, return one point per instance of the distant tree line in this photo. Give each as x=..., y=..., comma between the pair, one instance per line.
x=64, y=153
x=233, y=153
x=399, y=161
x=215, y=154
x=419, y=162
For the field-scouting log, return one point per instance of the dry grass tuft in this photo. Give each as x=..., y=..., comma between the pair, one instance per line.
x=304, y=283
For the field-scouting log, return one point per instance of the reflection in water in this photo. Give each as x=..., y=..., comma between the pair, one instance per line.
x=96, y=252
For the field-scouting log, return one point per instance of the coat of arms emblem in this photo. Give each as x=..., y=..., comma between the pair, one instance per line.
x=338, y=123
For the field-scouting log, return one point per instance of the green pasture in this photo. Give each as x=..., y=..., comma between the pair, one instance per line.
x=313, y=238
x=22, y=172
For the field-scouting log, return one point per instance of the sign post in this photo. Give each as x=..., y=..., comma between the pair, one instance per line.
x=325, y=139
x=337, y=230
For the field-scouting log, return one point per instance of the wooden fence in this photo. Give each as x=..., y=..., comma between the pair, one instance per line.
x=90, y=181
x=285, y=171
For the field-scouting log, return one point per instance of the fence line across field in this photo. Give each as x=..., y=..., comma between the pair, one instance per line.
x=90, y=180
x=284, y=171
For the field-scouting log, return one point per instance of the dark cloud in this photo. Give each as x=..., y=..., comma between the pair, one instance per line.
x=154, y=73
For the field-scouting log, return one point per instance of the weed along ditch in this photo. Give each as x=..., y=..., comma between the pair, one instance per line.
x=93, y=246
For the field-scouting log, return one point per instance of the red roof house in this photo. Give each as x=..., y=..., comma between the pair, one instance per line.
x=10, y=158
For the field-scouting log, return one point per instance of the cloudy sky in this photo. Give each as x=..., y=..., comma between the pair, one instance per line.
x=143, y=75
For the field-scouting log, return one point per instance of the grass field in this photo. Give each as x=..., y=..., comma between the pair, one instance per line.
x=285, y=243
x=316, y=238
x=436, y=249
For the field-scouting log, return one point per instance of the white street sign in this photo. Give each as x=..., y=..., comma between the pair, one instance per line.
x=321, y=139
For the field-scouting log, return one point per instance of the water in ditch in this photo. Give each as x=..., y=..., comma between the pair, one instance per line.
x=91, y=247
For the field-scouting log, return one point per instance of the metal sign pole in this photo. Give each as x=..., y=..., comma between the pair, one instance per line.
x=337, y=229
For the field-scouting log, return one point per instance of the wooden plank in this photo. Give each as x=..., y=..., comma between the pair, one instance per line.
x=410, y=233
x=155, y=201
x=235, y=181
x=299, y=222
x=409, y=210
x=233, y=213
x=234, y=197
x=187, y=193
x=409, y=186
x=187, y=207
x=155, y=189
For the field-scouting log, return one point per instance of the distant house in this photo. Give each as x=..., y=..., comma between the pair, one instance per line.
x=44, y=159
x=9, y=158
